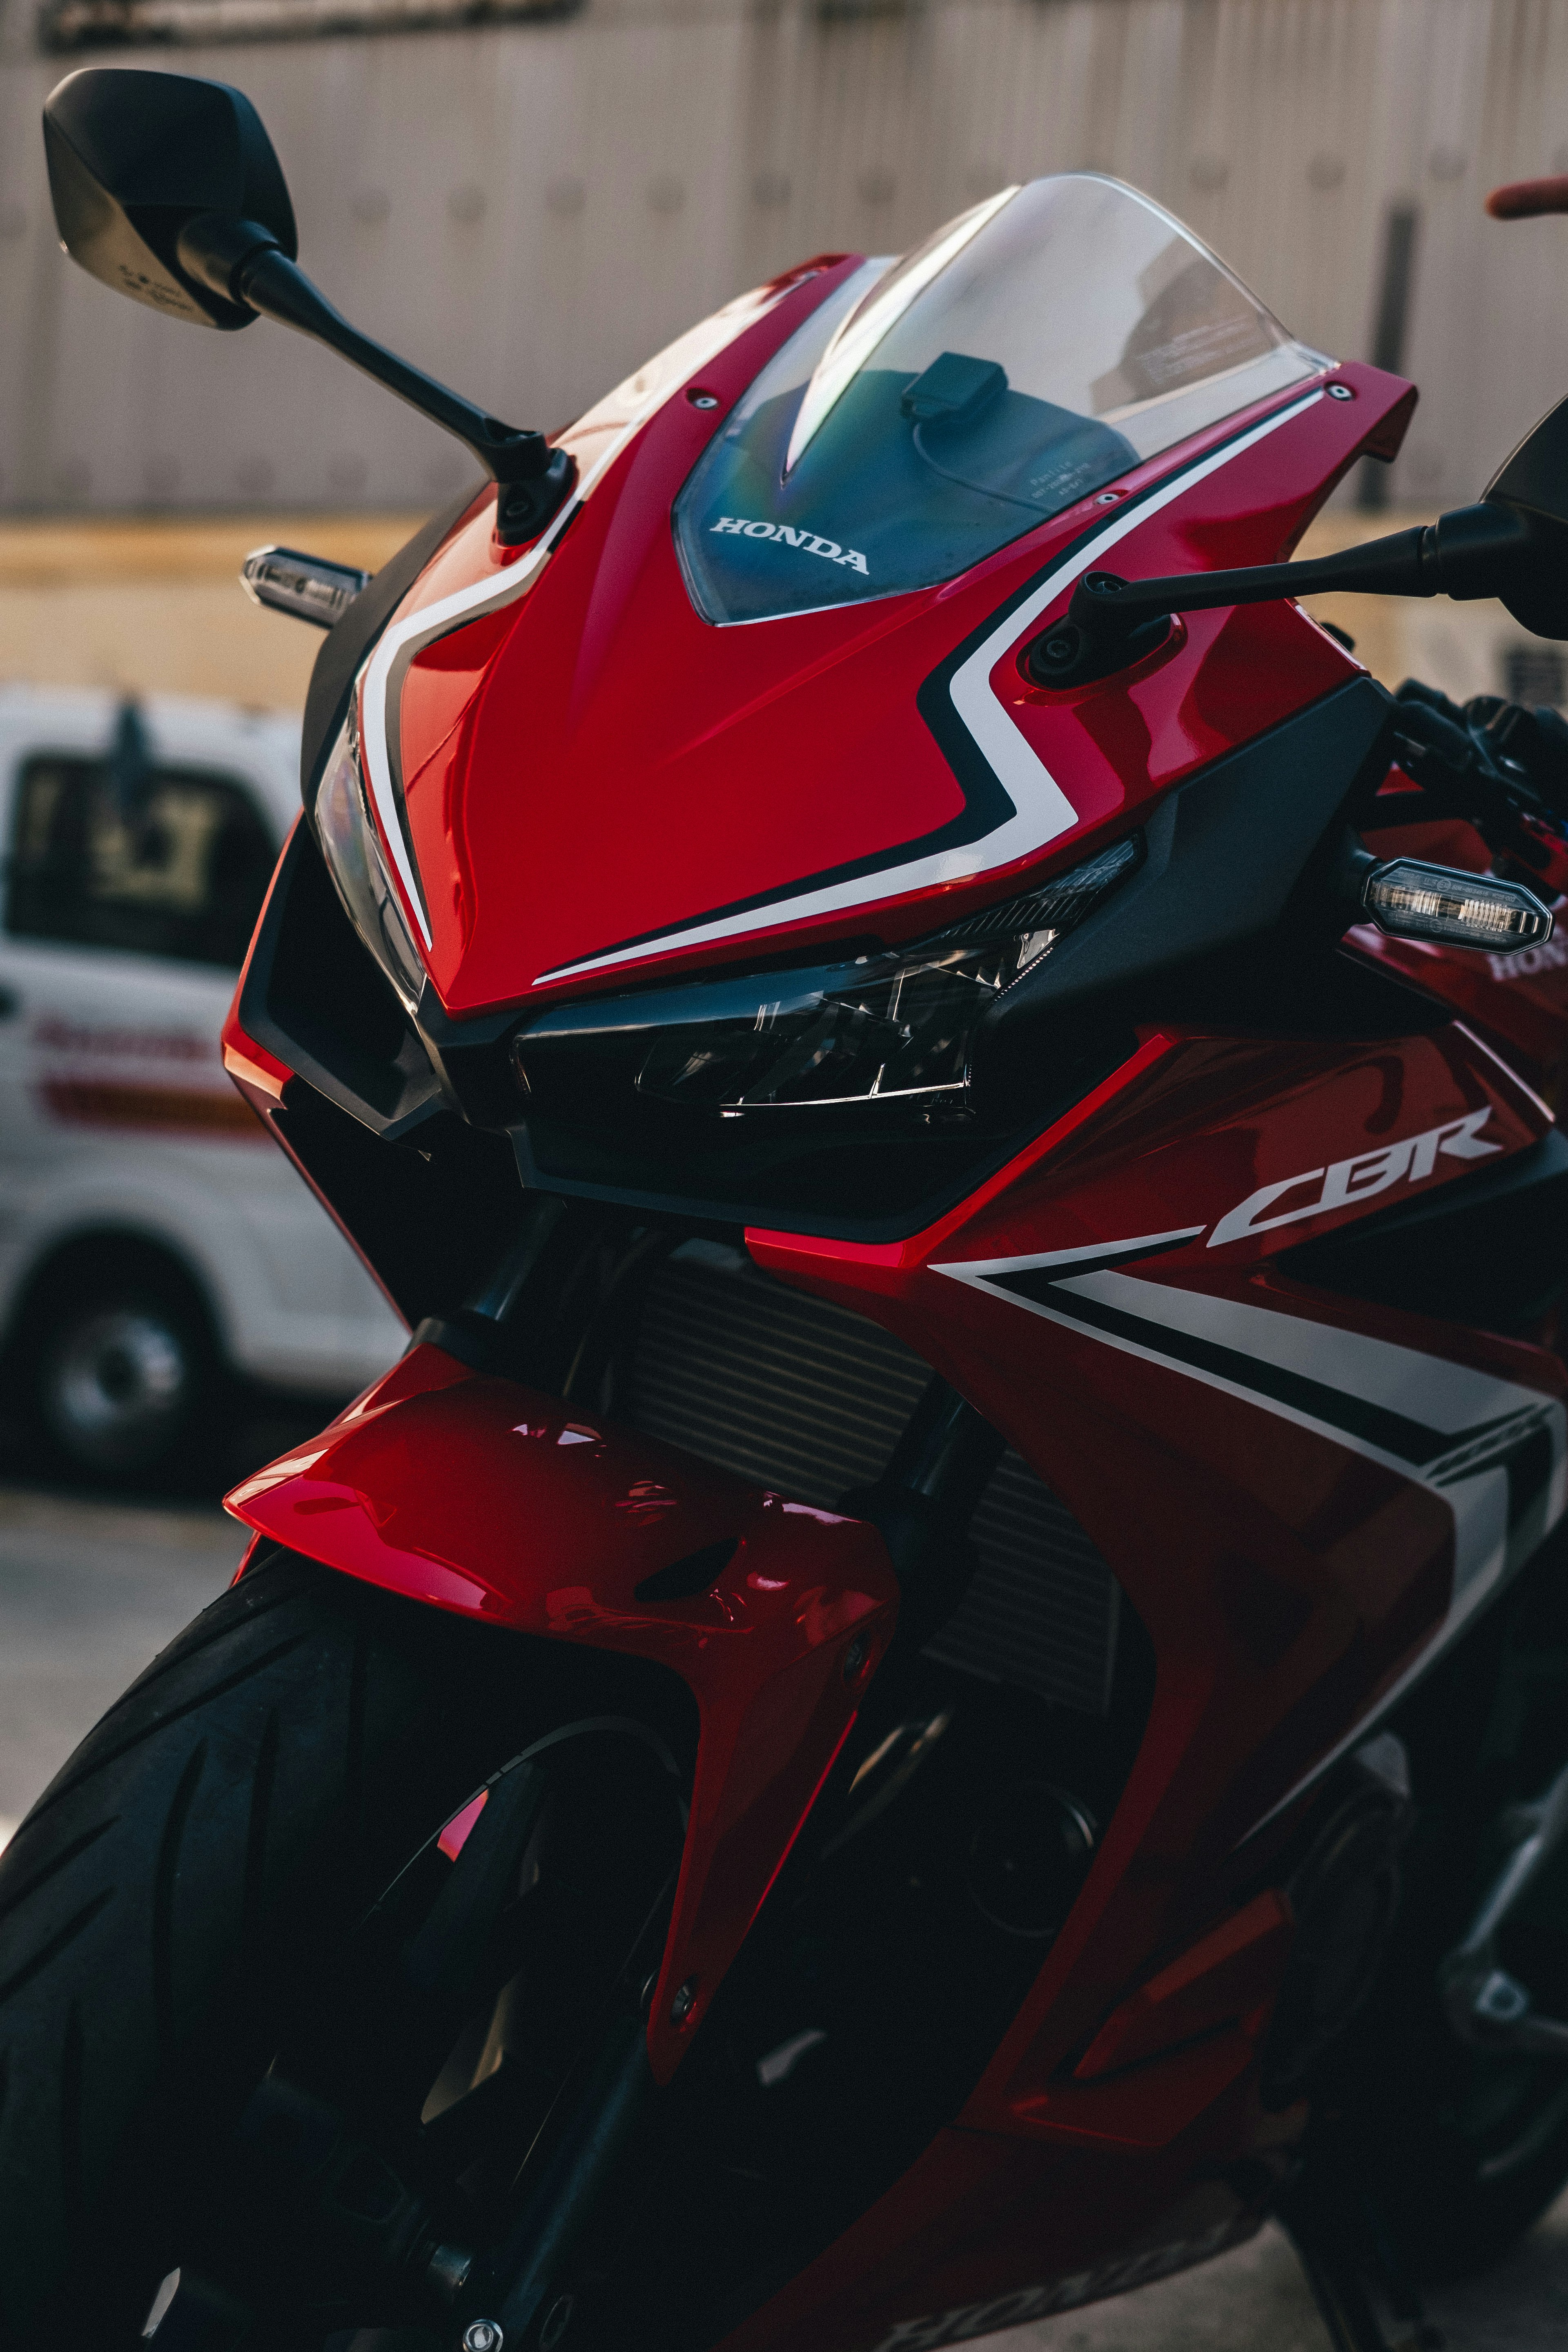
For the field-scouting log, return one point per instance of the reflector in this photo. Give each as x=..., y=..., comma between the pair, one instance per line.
x=1413, y=901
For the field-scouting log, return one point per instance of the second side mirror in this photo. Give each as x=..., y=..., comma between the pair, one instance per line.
x=1533, y=482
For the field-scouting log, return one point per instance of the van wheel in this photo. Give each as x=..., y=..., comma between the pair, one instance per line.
x=124, y=1377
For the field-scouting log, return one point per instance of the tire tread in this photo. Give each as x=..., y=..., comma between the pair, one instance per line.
x=233, y=1808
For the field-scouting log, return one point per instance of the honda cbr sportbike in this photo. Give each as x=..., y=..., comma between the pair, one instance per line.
x=939, y=1682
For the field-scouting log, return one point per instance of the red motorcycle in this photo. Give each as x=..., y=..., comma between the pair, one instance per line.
x=938, y=1680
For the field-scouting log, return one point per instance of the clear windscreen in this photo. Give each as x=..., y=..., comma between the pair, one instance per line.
x=932, y=410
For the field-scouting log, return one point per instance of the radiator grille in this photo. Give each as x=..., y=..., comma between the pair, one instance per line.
x=792, y=1393
x=1042, y=1607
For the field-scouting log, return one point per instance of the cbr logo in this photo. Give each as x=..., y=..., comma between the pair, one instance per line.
x=1349, y=1181
x=829, y=549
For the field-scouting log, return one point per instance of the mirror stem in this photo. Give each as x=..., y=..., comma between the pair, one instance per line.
x=1111, y=622
x=244, y=262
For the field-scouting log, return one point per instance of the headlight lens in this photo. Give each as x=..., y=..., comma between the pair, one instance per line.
x=893, y=1027
x=354, y=859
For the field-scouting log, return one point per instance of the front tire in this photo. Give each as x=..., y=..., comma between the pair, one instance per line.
x=171, y=1908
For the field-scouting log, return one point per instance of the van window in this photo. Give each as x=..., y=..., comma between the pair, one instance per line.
x=178, y=867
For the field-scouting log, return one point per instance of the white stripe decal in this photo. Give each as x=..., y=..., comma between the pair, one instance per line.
x=1143, y=1245
x=1017, y=769
x=1042, y=810
x=692, y=352
x=1489, y=1417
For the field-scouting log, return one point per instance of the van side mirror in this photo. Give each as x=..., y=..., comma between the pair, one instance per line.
x=131, y=169
x=168, y=189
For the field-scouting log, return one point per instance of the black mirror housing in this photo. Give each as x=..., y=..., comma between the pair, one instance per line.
x=1533, y=482
x=1511, y=544
x=1535, y=475
x=135, y=158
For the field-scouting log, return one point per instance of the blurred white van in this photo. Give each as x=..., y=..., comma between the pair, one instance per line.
x=156, y=1248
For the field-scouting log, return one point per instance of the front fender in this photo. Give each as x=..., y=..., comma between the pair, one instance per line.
x=480, y=1496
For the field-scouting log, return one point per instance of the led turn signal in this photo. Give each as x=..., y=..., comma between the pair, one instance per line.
x=1413, y=901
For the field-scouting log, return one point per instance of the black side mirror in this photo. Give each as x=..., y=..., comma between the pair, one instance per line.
x=1533, y=483
x=1511, y=544
x=134, y=159
x=168, y=190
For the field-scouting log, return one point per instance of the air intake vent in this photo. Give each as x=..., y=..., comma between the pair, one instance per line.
x=789, y=1391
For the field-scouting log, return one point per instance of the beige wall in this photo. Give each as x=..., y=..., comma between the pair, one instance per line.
x=531, y=210
x=156, y=608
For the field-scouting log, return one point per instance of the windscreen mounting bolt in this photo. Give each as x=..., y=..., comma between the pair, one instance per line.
x=684, y=2001
x=482, y=2335
x=1340, y=391
x=855, y=1658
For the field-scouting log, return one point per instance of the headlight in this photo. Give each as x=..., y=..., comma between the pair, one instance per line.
x=892, y=1027
x=354, y=859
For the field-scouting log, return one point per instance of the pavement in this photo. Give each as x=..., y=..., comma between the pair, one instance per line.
x=91, y=1590
x=88, y=1592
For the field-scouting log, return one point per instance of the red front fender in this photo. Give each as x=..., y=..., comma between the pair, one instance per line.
x=480, y=1496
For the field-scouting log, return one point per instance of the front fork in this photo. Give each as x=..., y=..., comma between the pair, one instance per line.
x=555, y=1313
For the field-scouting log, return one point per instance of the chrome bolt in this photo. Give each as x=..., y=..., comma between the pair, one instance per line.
x=1340, y=391
x=855, y=1656
x=703, y=399
x=684, y=2001
x=482, y=2335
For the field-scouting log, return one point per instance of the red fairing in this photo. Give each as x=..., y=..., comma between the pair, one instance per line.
x=479, y=1497
x=531, y=705
x=1110, y=1863
x=1248, y=1454
x=582, y=785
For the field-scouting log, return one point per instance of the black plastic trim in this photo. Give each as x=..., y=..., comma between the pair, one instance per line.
x=1489, y=1249
x=314, y=996
x=1227, y=852
x=429, y=1222
x=348, y=640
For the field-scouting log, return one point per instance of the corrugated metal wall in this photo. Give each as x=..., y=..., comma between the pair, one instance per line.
x=530, y=210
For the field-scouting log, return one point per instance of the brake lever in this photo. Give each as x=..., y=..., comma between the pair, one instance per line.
x=1465, y=770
